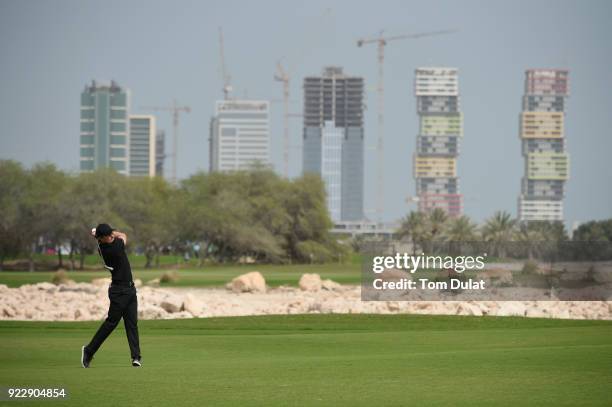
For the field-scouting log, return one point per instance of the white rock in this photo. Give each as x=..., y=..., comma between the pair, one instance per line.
x=101, y=282
x=192, y=305
x=138, y=283
x=393, y=306
x=249, y=282
x=82, y=315
x=45, y=286
x=7, y=312
x=148, y=311
x=79, y=288
x=310, y=282
x=511, y=308
x=330, y=285
x=172, y=304
x=154, y=282
x=181, y=315
x=465, y=308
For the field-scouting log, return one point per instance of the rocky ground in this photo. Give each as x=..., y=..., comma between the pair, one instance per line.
x=248, y=295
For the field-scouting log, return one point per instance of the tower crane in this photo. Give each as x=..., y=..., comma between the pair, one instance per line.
x=381, y=42
x=175, y=109
x=227, y=87
x=282, y=76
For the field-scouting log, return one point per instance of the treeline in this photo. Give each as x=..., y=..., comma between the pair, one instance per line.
x=226, y=216
x=503, y=236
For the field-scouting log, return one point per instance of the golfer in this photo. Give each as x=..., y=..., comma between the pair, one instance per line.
x=122, y=294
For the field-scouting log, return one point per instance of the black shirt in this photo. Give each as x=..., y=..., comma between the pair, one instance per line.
x=116, y=260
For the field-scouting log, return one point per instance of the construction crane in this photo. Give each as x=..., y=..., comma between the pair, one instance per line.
x=175, y=109
x=382, y=41
x=227, y=87
x=282, y=76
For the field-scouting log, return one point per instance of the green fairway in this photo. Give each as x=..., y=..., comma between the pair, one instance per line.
x=275, y=275
x=321, y=360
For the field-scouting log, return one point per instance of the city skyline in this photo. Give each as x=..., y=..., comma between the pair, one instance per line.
x=52, y=50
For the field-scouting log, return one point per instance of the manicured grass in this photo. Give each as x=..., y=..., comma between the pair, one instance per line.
x=207, y=276
x=352, y=360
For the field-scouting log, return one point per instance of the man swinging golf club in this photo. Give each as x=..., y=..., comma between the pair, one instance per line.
x=122, y=294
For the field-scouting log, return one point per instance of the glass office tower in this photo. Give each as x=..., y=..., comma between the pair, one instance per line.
x=104, y=132
x=333, y=139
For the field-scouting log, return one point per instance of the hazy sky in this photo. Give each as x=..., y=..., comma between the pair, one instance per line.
x=162, y=50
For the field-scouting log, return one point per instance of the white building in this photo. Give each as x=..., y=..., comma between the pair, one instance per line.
x=436, y=81
x=142, y=145
x=239, y=135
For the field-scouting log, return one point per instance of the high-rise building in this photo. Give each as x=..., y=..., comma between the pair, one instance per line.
x=160, y=153
x=333, y=139
x=239, y=135
x=142, y=145
x=542, y=136
x=437, y=147
x=104, y=133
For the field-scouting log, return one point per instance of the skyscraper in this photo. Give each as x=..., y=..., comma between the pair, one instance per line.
x=160, y=153
x=440, y=130
x=543, y=145
x=239, y=135
x=142, y=145
x=104, y=133
x=333, y=139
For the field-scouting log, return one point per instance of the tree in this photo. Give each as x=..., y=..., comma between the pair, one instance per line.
x=499, y=230
x=145, y=208
x=91, y=199
x=308, y=236
x=414, y=227
x=530, y=237
x=438, y=223
x=461, y=230
x=45, y=186
x=13, y=186
x=592, y=240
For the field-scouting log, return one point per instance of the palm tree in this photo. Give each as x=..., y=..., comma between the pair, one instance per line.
x=438, y=220
x=414, y=228
x=529, y=234
x=498, y=230
x=461, y=230
x=437, y=223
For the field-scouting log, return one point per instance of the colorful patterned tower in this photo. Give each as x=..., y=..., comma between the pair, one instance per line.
x=543, y=145
x=440, y=129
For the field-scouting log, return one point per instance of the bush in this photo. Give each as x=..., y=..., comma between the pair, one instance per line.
x=60, y=277
x=530, y=267
x=169, y=277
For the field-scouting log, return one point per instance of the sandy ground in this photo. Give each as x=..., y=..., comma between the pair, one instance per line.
x=86, y=301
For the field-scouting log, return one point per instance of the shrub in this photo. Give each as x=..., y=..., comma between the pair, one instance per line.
x=60, y=277
x=169, y=277
x=530, y=267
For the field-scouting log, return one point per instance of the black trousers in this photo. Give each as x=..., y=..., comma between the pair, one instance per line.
x=123, y=303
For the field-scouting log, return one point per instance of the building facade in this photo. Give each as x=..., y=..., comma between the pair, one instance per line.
x=334, y=139
x=239, y=135
x=104, y=131
x=160, y=153
x=142, y=145
x=438, y=141
x=542, y=133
